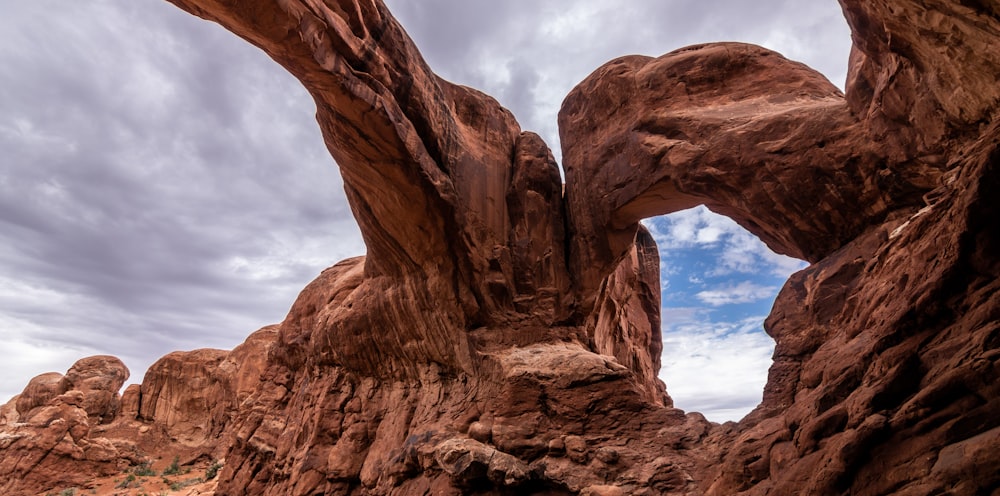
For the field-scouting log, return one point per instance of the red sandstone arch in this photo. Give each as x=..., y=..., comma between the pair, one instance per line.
x=468, y=353
x=763, y=140
x=467, y=297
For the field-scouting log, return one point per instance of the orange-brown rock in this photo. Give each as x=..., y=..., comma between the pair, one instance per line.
x=48, y=442
x=130, y=401
x=8, y=412
x=626, y=321
x=502, y=337
x=39, y=391
x=191, y=395
x=180, y=393
x=735, y=127
x=99, y=378
x=63, y=431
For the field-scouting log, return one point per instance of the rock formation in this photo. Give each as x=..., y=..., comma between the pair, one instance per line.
x=501, y=336
x=63, y=431
x=49, y=425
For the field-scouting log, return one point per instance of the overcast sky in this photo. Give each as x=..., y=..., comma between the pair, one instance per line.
x=163, y=184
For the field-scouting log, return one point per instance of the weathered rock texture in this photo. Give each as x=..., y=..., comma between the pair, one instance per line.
x=502, y=336
x=64, y=431
x=47, y=428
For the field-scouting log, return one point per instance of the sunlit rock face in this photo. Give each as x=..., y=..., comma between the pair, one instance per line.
x=502, y=334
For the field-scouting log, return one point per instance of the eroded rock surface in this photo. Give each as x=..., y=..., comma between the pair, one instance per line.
x=45, y=432
x=63, y=431
x=502, y=334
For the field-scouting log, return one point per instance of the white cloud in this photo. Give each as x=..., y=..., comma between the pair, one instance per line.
x=743, y=292
x=781, y=265
x=739, y=251
x=742, y=253
x=32, y=359
x=693, y=227
x=747, y=254
x=718, y=369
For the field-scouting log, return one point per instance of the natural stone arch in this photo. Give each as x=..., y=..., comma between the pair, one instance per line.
x=738, y=128
x=486, y=345
x=449, y=329
x=450, y=194
x=646, y=136
x=451, y=197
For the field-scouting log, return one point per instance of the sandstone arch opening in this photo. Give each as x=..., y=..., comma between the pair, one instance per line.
x=718, y=282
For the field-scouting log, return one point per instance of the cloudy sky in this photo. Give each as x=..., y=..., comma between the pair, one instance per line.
x=163, y=184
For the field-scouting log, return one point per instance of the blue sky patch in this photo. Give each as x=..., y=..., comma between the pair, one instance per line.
x=718, y=284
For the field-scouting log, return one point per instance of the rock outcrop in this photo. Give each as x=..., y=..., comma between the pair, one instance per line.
x=63, y=431
x=501, y=336
x=47, y=427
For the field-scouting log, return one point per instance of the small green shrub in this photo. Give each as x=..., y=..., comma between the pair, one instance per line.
x=212, y=470
x=174, y=467
x=177, y=486
x=143, y=469
x=127, y=482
